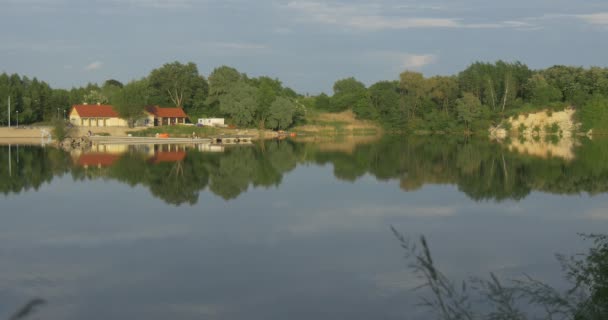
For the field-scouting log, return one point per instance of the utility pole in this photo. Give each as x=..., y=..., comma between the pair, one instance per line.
x=9, y=111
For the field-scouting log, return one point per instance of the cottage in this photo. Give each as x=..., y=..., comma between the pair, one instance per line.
x=166, y=116
x=95, y=116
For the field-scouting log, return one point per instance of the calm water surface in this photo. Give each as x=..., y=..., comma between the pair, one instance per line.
x=283, y=230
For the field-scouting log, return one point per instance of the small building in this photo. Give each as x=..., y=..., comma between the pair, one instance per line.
x=95, y=115
x=217, y=122
x=166, y=116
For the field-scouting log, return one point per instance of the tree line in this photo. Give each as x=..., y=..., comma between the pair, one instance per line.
x=246, y=101
x=481, y=95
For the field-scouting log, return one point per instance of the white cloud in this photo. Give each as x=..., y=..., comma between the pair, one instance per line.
x=416, y=61
x=239, y=46
x=600, y=18
x=95, y=65
x=400, y=60
x=159, y=4
x=362, y=217
x=377, y=17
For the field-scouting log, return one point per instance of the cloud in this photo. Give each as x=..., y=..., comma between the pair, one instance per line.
x=597, y=214
x=418, y=60
x=402, y=60
x=375, y=17
x=159, y=4
x=239, y=46
x=95, y=65
x=600, y=18
x=362, y=217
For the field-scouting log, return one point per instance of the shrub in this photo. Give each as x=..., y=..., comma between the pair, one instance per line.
x=60, y=130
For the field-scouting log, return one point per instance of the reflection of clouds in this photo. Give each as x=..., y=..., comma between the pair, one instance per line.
x=397, y=281
x=105, y=237
x=362, y=217
x=597, y=214
x=209, y=311
x=82, y=237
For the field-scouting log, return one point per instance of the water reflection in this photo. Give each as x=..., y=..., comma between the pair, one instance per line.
x=177, y=174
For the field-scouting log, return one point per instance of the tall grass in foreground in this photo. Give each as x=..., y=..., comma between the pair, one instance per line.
x=493, y=299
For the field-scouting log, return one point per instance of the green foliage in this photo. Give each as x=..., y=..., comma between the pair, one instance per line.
x=522, y=128
x=385, y=99
x=177, y=131
x=594, y=114
x=179, y=85
x=60, y=130
x=281, y=114
x=322, y=102
x=131, y=99
x=540, y=92
x=350, y=94
x=221, y=80
x=468, y=108
x=95, y=97
x=240, y=104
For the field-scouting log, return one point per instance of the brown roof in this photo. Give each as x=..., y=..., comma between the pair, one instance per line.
x=167, y=112
x=97, y=159
x=95, y=111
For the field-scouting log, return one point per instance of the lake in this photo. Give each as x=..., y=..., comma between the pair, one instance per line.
x=286, y=229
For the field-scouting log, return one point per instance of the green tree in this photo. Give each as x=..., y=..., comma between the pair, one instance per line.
x=281, y=113
x=95, y=97
x=240, y=104
x=178, y=84
x=540, y=92
x=266, y=95
x=350, y=94
x=221, y=80
x=413, y=90
x=322, y=102
x=131, y=100
x=385, y=100
x=468, y=108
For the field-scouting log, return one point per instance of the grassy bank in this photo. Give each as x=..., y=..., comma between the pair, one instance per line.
x=336, y=124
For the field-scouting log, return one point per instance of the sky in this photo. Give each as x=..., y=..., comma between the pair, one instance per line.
x=307, y=44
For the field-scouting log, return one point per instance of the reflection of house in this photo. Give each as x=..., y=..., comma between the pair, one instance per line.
x=168, y=156
x=95, y=116
x=97, y=159
x=166, y=116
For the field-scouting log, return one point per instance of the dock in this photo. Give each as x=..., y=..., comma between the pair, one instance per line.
x=153, y=140
x=147, y=140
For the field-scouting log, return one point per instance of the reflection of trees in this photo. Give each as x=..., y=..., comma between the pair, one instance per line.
x=492, y=298
x=30, y=167
x=481, y=169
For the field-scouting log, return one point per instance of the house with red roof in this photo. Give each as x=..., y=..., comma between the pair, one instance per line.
x=98, y=115
x=166, y=116
x=95, y=115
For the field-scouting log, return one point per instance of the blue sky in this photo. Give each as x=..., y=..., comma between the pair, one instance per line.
x=308, y=44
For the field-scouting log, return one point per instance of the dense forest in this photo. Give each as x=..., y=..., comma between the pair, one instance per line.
x=481, y=95
x=482, y=170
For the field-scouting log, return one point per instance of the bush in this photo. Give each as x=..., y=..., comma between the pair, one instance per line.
x=61, y=129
